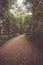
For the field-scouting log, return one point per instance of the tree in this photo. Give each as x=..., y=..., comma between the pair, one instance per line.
x=20, y=15
x=5, y=6
x=6, y=26
x=36, y=27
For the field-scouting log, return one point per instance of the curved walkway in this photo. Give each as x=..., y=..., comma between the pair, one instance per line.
x=20, y=51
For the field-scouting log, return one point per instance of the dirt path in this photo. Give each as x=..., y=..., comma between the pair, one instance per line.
x=19, y=51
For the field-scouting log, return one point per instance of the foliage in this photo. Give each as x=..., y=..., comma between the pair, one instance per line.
x=20, y=16
x=36, y=28
x=19, y=22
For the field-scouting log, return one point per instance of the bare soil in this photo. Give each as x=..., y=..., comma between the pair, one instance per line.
x=20, y=51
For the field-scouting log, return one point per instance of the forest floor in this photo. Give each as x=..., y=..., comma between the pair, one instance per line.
x=20, y=51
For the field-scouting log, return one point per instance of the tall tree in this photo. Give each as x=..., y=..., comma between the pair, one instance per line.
x=20, y=19
x=37, y=13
